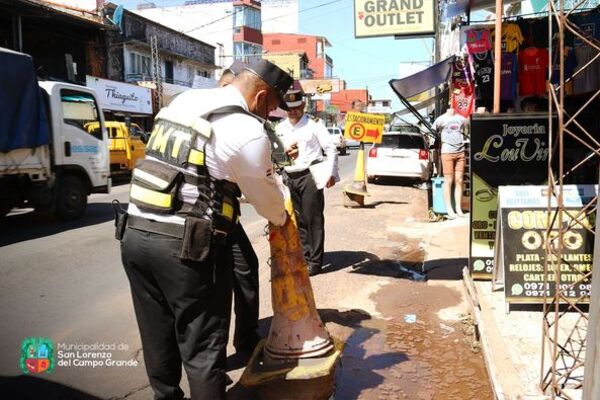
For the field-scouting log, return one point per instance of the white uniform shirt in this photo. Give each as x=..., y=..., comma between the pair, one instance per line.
x=238, y=151
x=312, y=139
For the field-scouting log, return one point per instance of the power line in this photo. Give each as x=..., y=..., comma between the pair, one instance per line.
x=268, y=19
x=213, y=22
x=304, y=10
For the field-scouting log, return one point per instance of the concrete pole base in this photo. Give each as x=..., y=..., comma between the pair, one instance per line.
x=353, y=200
x=300, y=379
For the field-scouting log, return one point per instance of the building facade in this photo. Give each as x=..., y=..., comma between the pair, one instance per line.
x=379, y=106
x=315, y=48
x=65, y=38
x=184, y=62
x=294, y=62
x=232, y=27
x=343, y=99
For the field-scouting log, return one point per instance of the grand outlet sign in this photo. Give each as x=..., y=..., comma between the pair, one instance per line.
x=394, y=18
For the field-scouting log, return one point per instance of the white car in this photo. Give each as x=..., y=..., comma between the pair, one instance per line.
x=337, y=138
x=401, y=153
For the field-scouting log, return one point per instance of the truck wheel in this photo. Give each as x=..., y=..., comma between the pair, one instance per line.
x=71, y=198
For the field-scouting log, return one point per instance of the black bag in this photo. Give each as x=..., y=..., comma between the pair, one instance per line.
x=120, y=219
x=197, y=236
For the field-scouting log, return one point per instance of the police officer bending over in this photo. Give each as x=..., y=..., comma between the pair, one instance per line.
x=206, y=146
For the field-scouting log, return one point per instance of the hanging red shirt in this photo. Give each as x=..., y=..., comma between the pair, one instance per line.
x=463, y=99
x=533, y=71
x=478, y=40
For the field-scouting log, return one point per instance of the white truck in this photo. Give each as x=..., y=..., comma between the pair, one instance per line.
x=53, y=142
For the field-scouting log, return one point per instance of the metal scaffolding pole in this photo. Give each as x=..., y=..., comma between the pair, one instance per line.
x=565, y=319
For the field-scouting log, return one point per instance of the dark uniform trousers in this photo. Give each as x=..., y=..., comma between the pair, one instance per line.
x=309, y=203
x=183, y=311
x=245, y=288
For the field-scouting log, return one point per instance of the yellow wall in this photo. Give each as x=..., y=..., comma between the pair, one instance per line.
x=290, y=63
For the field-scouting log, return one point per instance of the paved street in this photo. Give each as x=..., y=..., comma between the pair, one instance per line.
x=65, y=282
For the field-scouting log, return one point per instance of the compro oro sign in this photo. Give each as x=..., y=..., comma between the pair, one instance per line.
x=394, y=18
x=119, y=96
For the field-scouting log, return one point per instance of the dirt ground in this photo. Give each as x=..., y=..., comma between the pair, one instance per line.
x=407, y=335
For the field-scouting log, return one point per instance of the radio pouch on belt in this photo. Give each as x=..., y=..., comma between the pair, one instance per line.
x=120, y=219
x=197, y=236
x=154, y=187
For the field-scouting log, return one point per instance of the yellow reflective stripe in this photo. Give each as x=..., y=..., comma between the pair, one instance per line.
x=156, y=181
x=227, y=211
x=196, y=157
x=150, y=196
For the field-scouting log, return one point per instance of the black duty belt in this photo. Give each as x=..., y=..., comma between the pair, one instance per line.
x=163, y=228
x=298, y=174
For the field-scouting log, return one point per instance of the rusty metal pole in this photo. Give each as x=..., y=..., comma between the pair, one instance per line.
x=498, y=56
x=591, y=385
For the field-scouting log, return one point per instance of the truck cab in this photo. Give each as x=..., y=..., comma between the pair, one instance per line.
x=126, y=145
x=48, y=161
x=75, y=150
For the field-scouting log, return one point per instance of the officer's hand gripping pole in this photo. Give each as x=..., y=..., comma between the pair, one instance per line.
x=298, y=358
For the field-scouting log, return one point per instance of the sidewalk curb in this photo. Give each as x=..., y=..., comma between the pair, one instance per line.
x=501, y=370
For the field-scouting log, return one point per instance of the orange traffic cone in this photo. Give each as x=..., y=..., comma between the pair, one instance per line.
x=354, y=193
x=296, y=329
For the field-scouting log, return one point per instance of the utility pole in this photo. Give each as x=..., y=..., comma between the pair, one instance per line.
x=156, y=71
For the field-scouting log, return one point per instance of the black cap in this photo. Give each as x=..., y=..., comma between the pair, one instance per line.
x=237, y=67
x=294, y=98
x=274, y=76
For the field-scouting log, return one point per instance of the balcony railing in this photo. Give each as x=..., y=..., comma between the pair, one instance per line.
x=132, y=78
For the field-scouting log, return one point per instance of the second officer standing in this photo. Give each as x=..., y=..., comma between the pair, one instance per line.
x=306, y=140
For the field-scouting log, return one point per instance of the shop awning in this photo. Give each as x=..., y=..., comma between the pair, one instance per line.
x=417, y=83
x=423, y=80
x=426, y=103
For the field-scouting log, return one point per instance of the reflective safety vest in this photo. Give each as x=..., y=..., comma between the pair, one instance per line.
x=175, y=156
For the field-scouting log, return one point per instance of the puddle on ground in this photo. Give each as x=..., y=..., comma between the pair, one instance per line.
x=429, y=359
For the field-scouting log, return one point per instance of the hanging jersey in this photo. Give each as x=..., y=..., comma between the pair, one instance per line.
x=533, y=64
x=478, y=40
x=463, y=99
x=589, y=78
x=535, y=32
x=508, y=82
x=483, y=67
x=462, y=88
x=511, y=37
x=570, y=64
x=589, y=23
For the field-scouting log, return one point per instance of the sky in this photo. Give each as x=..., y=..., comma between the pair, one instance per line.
x=362, y=63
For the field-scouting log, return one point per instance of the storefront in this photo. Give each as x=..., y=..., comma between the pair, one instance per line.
x=515, y=76
x=124, y=102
